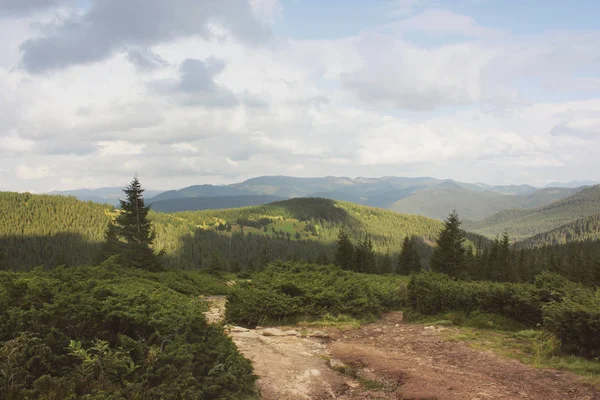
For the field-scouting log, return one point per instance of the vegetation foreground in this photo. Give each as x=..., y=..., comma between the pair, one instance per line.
x=109, y=332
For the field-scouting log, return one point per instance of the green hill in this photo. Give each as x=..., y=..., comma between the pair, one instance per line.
x=52, y=230
x=522, y=224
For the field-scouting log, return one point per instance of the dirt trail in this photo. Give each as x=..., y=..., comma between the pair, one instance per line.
x=390, y=359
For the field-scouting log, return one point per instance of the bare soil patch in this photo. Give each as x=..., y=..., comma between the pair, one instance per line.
x=390, y=359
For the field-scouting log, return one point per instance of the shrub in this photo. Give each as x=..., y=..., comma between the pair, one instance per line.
x=289, y=292
x=576, y=324
x=105, y=332
x=432, y=293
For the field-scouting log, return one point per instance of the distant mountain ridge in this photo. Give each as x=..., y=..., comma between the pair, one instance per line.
x=212, y=203
x=105, y=195
x=426, y=196
x=572, y=184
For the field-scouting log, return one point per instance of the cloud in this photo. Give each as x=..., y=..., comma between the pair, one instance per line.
x=145, y=59
x=420, y=96
x=14, y=144
x=437, y=21
x=399, y=74
x=196, y=85
x=24, y=7
x=37, y=172
x=110, y=26
x=586, y=128
x=404, y=7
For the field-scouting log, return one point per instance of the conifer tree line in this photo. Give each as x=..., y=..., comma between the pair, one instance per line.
x=502, y=261
x=46, y=230
x=360, y=257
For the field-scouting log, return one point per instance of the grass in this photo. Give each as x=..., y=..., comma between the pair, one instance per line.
x=534, y=347
x=477, y=319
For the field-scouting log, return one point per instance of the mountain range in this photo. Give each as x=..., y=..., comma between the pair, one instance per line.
x=426, y=196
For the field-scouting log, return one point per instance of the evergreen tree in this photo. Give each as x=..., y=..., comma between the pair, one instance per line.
x=322, y=259
x=386, y=264
x=449, y=255
x=364, y=256
x=131, y=234
x=344, y=255
x=506, y=270
x=596, y=273
x=3, y=264
x=409, y=260
x=216, y=264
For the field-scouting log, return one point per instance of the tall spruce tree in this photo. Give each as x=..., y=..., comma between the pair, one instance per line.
x=344, y=255
x=449, y=255
x=364, y=256
x=3, y=263
x=409, y=260
x=386, y=264
x=131, y=234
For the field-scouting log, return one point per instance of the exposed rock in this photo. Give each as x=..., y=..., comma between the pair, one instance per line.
x=319, y=335
x=273, y=332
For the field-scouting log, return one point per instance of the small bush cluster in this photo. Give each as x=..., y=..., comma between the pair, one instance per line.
x=111, y=333
x=433, y=293
x=576, y=324
x=566, y=309
x=289, y=292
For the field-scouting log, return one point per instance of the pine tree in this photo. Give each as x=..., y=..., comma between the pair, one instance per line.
x=322, y=259
x=364, y=256
x=3, y=263
x=131, y=234
x=386, y=265
x=596, y=273
x=409, y=260
x=344, y=255
x=506, y=265
x=449, y=255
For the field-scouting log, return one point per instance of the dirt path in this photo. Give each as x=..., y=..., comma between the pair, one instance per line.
x=390, y=360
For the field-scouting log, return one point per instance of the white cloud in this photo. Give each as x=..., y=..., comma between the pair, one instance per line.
x=462, y=103
x=119, y=148
x=37, y=172
x=16, y=144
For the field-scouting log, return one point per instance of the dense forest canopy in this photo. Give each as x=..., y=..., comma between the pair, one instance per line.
x=59, y=230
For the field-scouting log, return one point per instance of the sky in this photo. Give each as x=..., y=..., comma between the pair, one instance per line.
x=190, y=92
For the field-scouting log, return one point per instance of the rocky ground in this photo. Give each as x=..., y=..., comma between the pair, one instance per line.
x=389, y=359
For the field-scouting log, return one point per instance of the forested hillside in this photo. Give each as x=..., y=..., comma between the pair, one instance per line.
x=583, y=229
x=51, y=230
x=54, y=230
x=520, y=224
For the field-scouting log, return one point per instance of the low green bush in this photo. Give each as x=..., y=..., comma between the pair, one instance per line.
x=111, y=333
x=576, y=324
x=566, y=309
x=432, y=293
x=289, y=292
